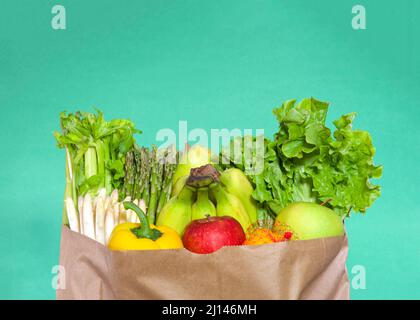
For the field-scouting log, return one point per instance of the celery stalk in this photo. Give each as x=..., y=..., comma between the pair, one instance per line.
x=68, y=191
x=95, y=153
x=100, y=154
x=91, y=167
x=107, y=158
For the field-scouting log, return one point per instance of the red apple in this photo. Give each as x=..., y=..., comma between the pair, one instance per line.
x=210, y=234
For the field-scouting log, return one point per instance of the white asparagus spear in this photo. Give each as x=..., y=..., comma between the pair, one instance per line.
x=80, y=208
x=72, y=215
x=109, y=223
x=122, y=217
x=107, y=203
x=114, y=196
x=100, y=194
x=100, y=220
x=131, y=215
x=116, y=210
x=88, y=217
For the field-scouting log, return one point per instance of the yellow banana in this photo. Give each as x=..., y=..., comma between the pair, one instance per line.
x=194, y=157
x=176, y=213
x=203, y=206
x=236, y=183
x=177, y=187
x=230, y=205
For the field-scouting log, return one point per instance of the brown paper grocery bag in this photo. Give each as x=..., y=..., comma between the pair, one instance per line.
x=305, y=269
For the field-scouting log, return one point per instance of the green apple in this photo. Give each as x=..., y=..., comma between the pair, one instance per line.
x=310, y=220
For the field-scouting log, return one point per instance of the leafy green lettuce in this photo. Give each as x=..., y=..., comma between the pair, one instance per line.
x=307, y=162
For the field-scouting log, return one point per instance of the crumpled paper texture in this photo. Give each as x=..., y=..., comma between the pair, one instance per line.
x=304, y=269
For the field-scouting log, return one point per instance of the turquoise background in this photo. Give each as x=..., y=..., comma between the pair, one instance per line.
x=215, y=64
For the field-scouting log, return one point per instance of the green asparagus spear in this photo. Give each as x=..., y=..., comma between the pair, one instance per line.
x=168, y=171
x=145, y=168
x=154, y=185
x=129, y=174
x=137, y=172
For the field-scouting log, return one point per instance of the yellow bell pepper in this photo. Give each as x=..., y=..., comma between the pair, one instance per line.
x=142, y=236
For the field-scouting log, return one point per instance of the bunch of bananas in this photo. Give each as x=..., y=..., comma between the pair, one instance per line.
x=207, y=192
